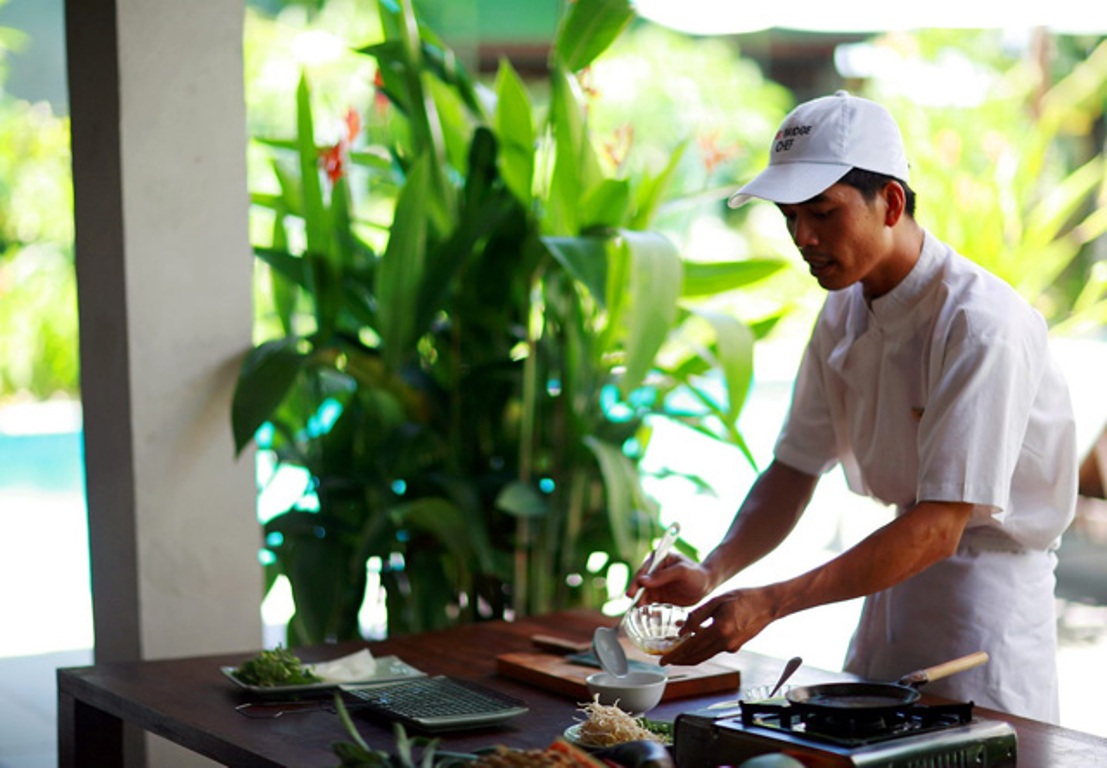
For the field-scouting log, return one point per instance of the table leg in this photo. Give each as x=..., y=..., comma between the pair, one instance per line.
x=88, y=737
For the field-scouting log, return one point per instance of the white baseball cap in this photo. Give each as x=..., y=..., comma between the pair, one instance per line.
x=822, y=140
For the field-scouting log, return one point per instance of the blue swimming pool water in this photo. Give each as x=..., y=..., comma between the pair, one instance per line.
x=50, y=462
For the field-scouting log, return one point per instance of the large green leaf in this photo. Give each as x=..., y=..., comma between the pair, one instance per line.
x=436, y=57
x=390, y=67
x=606, y=204
x=713, y=278
x=405, y=49
x=310, y=184
x=1093, y=227
x=440, y=60
x=285, y=264
x=486, y=215
x=1075, y=103
x=285, y=286
x=522, y=500
x=576, y=168
x=734, y=345
x=1046, y=220
x=560, y=215
x=454, y=122
x=651, y=192
x=267, y=374
x=585, y=258
x=315, y=555
x=1091, y=305
x=623, y=494
x=589, y=29
x=328, y=269
x=400, y=273
x=406, y=75
x=461, y=534
x=653, y=289
x=514, y=125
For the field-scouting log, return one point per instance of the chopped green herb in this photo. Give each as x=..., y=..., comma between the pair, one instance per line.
x=662, y=728
x=275, y=667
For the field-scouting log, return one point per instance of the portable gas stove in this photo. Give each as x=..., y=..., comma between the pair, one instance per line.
x=909, y=736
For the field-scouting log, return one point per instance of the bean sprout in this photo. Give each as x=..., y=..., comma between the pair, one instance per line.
x=608, y=725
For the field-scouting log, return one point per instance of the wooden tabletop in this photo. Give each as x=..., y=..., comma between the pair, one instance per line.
x=191, y=702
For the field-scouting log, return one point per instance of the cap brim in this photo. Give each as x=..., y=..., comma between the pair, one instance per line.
x=789, y=183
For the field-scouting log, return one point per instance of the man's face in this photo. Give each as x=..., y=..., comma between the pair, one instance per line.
x=844, y=239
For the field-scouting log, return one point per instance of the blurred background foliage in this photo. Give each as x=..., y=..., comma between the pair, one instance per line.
x=509, y=318
x=1018, y=180
x=38, y=297
x=1005, y=133
x=1009, y=163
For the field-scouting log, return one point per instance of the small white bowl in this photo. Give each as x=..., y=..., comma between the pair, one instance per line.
x=761, y=693
x=635, y=692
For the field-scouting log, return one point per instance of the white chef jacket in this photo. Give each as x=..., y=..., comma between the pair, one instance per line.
x=944, y=389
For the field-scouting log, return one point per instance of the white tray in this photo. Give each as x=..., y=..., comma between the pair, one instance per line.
x=388, y=668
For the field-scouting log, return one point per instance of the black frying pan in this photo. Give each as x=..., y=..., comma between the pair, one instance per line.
x=876, y=698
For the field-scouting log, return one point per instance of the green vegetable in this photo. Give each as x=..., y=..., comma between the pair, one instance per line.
x=662, y=728
x=275, y=667
x=358, y=754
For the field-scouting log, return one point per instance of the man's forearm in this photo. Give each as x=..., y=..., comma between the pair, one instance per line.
x=770, y=511
x=899, y=550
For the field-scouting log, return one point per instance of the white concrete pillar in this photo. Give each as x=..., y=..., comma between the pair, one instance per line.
x=164, y=285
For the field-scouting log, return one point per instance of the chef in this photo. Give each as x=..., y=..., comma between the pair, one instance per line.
x=929, y=380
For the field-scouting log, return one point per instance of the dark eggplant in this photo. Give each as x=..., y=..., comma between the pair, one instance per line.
x=771, y=760
x=638, y=754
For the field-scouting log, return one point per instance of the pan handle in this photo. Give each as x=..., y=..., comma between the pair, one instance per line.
x=945, y=669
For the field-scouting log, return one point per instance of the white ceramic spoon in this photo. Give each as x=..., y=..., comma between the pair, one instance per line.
x=605, y=640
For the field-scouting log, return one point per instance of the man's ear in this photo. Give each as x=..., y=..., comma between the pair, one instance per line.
x=895, y=200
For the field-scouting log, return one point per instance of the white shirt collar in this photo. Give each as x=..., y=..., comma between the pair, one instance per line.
x=900, y=301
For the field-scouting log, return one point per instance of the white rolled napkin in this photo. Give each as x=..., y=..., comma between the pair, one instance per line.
x=348, y=669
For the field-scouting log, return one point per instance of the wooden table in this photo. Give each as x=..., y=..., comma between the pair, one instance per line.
x=190, y=702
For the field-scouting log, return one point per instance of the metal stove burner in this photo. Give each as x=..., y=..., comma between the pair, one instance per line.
x=851, y=729
x=912, y=736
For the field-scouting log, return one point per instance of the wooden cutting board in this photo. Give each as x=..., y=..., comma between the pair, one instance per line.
x=562, y=675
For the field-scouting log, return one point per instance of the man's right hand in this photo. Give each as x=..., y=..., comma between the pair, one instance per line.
x=676, y=580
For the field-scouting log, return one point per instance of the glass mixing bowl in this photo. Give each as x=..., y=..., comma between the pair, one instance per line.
x=655, y=627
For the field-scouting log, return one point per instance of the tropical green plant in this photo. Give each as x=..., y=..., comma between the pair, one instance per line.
x=410, y=751
x=38, y=287
x=1018, y=180
x=471, y=393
